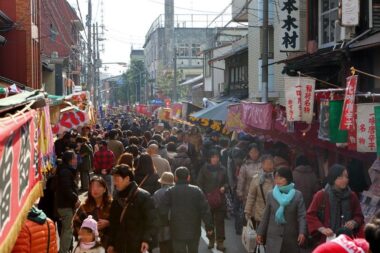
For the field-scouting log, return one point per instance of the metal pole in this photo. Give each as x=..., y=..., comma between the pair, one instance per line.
x=97, y=65
x=89, y=47
x=95, y=62
x=265, y=52
x=175, y=75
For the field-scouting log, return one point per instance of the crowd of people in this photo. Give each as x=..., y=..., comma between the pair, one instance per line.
x=149, y=185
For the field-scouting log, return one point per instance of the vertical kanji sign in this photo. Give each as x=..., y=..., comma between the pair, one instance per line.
x=348, y=113
x=289, y=25
x=366, y=127
x=299, y=94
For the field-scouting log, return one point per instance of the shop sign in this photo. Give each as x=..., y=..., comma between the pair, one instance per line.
x=289, y=25
x=213, y=124
x=347, y=121
x=366, y=127
x=258, y=115
x=19, y=171
x=377, y=120
x=350, y=12
x=299, y=95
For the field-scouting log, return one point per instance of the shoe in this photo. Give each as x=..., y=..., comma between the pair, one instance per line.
x=211, y=244
x=220, y=246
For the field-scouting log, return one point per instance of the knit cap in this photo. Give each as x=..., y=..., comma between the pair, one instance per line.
x=92, y=224
x=343, y=244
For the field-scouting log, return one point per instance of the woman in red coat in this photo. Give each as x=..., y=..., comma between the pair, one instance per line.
x=335, y=207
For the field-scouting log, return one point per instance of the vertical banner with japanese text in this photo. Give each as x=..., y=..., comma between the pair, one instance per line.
x=324, y=128
x=234, y=118
x=19, y=173
x=348, y=113
x=289, y=25
x=366, y=127
x=299, y=95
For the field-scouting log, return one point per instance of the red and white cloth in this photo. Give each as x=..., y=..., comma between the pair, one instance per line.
x=343, y=244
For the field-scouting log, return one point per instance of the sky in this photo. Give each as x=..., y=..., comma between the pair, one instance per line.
x=128, y=21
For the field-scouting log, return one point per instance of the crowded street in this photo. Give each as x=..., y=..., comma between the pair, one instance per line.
x=190, y=126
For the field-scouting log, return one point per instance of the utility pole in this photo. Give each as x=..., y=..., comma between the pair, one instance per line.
x=98, y=65
x=265, y=52
x=175, y=75
x=94, y=65
x=90, y=82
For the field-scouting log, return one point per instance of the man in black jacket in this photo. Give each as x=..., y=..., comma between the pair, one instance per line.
x=188, y=207
x=133, y=220
x=67, y=198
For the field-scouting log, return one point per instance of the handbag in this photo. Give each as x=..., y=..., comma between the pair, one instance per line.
x=214, y=198
x=248, y=237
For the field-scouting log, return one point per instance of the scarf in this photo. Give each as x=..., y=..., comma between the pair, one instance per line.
x=340, y=206
x=283, y=195
x=265, y=175
x=87, y=245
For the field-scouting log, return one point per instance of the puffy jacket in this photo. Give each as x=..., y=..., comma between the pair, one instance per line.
x=246, y=173
x=38, y=234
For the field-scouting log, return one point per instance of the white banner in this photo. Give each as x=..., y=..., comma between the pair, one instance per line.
x=366, y=127
x=289, y=25
x=299, y=94
x=350, y=12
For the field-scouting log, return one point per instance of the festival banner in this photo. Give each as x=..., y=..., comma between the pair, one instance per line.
x=234, y=118
x=352, y=138
x=71, y=120
x=299, y=95
x=366, y=127
x=335, y=113
x=323, y=132
x=258, y=115
x=293, y=96
x=45, y=139
x=348, y=115
x=19, y=181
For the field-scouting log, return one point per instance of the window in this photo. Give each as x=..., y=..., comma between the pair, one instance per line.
x=183, y=50
x=328, y=10
x=53, y=33
x=195, y=50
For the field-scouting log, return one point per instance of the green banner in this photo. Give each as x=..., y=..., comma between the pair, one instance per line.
x=377, y=118
x=335, y=113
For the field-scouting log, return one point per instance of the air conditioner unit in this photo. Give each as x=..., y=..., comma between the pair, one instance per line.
x=342, y=33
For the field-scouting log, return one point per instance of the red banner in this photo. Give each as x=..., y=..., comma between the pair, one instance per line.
x=19, y=172
x=348, y=113
x=258, y=115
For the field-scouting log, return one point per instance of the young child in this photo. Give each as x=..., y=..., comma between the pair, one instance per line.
x=89, y=241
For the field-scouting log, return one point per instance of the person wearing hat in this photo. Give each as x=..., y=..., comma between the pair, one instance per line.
x=343, y=244
x=166, y=180
x=89, y=241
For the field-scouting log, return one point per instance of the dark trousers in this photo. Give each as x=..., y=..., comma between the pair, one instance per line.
x=187, y=246
x=84, y=179
x=239, y=214
x=166, y=246
x=218, y=218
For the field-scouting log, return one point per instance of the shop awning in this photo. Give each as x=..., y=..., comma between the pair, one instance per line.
x=234, y=51
x=217, y=112
x=369, y=42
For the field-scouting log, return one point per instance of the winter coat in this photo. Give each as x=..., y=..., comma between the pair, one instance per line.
x=116, y=147
x=187, y=206
x=255, y=203
x=211, y=178
x=246, y=173
x=151, y=184
x=86, y=154
x=99, y=249
x=282, y=238
x=67, y=190
x=103, y=212
x=162, y=165
x=164, y=230
x=306, y=182
x=314, y=222
x=139, y=223
x=181, y=159
x=38, y=234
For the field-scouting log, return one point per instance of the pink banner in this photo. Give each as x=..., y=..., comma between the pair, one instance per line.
x=258, y=115
x=348, y=113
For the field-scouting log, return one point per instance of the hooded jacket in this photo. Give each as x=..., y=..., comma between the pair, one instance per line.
x=38, y=234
